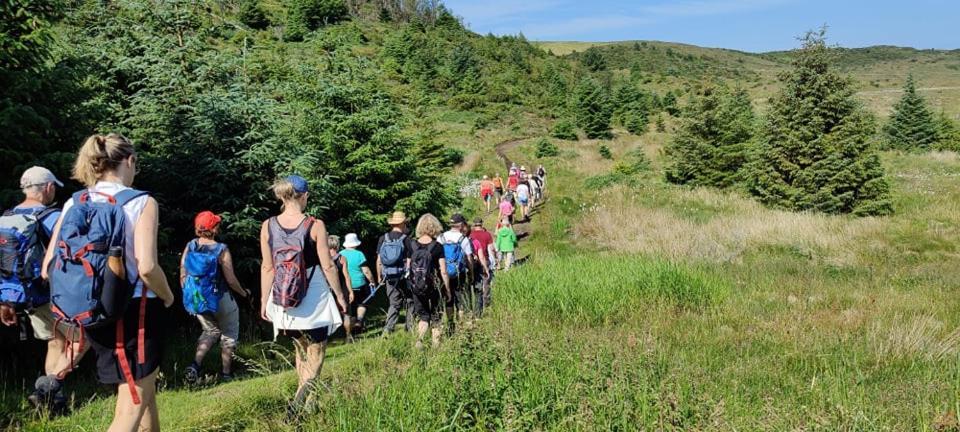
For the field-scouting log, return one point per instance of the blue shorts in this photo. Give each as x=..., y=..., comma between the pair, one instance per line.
x=524, y=200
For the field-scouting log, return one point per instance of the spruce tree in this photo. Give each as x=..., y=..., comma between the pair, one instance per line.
x=563, y=129
x=948, y=134
x=593, y=60
x=912, y=126
x=593, y=109
x=252, y=15
x=712, y=143
x=815, y=151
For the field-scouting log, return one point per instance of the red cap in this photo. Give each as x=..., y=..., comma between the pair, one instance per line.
x=206, y=221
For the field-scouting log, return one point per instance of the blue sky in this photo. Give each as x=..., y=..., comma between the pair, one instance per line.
x=748, y=25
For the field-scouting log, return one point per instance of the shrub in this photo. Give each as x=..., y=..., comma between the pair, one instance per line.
x=564, y=130
x=593, y=109
x=252, y=15
x=816, y=150
x=546, y=148
x=605, y=152
x=304, y=16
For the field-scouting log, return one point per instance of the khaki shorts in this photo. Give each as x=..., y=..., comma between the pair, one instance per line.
x=224, y=325
x=43, y=320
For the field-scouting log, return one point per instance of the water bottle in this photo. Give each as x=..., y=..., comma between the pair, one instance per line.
x=115, y=294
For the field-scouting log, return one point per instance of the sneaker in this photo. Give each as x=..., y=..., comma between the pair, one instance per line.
x=46, y=388
x=226, y=377
x=191, y=374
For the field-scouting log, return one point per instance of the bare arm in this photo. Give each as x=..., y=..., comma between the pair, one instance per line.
x=326, y=263
x=51, y=248
x=368, y=274
x=379, y=268
x=266, y=270
x=183, y=268
x=445, y=277
x=145, y=250
x=226, y=264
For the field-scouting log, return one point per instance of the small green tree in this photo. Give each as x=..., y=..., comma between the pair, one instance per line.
x=564, y=129
x=593, y=60
x=546, y=148
x=816, y=151
x=304, y=16
x=912, y=126
x=711, y=145
x=252, y=15
x=593, y=109
x=948, y=134
x=605, y=152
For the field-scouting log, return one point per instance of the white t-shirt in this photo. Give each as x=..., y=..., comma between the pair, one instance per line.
x=523, y=191
x=132, y=211
x=452, y=236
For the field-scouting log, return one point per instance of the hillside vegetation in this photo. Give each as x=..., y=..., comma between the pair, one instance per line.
x=654, y=292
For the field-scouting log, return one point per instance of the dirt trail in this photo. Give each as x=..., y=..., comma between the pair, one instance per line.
x=522, y=228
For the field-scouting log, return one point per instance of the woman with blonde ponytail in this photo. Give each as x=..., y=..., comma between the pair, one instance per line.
x=107, y=166
x=297, y=276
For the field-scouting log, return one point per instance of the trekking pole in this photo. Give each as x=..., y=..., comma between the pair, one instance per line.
x=373, y=292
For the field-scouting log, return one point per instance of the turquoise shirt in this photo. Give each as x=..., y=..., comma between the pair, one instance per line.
x=355, y=260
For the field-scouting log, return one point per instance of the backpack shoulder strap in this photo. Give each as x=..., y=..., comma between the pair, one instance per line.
x=127, y=195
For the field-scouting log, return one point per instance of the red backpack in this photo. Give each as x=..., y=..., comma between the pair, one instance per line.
x=290, y=278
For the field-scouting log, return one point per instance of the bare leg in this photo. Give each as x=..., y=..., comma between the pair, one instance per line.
x=310, y=356
x=361, y=312
x=203, y=347
x=55, y=352
x=422, y=327
x=128, y=416
x=348, y=327
x=62, y=364
x=226, y=358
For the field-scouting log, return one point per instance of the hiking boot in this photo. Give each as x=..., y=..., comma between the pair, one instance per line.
x=45, y=389
x=192, y=374
x=226, y=377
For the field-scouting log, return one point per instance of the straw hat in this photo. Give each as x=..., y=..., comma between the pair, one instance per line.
x=351, y=241
x=397, y=218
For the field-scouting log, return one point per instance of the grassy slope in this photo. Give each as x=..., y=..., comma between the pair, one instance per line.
x=879, y=71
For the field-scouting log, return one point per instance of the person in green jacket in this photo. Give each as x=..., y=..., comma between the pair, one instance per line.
x=506, y=244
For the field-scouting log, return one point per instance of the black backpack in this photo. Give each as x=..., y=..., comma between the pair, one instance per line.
x=423, y=268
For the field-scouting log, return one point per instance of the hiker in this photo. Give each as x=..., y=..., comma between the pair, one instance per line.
x=523, y=174
x=106, y=246
x=506, y=209
x=534, y=189
x=506, y=244
x=538, y=191
x=497, y=187
x=360, y=284
x=393, y=261
x=333, y=244
x=541, y=172
x=428, y=275
x=296, y=280
x=486, y=191
x=205, y=267
x=472, y=293
x=25, y=231
x=523, y=199
x=513, y=181
x=458, y=253
x=483, y=243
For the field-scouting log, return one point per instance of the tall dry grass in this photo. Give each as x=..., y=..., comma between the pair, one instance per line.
x=620, y=223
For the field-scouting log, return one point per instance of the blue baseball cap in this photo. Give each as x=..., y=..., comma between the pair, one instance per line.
x=299, y=184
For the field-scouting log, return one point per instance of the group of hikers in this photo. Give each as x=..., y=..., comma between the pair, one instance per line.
x=87, y=276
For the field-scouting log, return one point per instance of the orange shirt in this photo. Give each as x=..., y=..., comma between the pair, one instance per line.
x=498, y=182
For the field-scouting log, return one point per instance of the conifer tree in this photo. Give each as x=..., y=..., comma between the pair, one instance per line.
x=816, y=151
x=912, y=126
x=712, y=143
x=948, y=134
x=563, y=129
x=593, y=109
x=593, y=60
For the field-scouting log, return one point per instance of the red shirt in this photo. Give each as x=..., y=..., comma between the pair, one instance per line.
x=483, y=237
x=512, y=182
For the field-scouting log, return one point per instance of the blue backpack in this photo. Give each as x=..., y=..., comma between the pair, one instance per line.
x=84, y=292
x=391, y=256
x=453, y=254
x=202, y=288
x=23, y=243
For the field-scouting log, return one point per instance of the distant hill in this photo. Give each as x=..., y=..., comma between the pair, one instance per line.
x=879, y=70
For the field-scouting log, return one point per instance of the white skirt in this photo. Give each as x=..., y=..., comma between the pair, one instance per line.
x=317, y=309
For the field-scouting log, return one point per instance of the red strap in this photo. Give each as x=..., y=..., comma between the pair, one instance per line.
x=86, y=196
x=142, y=328
x=124, y=365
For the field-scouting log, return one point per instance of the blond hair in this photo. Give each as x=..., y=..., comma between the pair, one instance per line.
x=428, y=225
x=333, y=241
x=284, y=191
x=100, y=154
